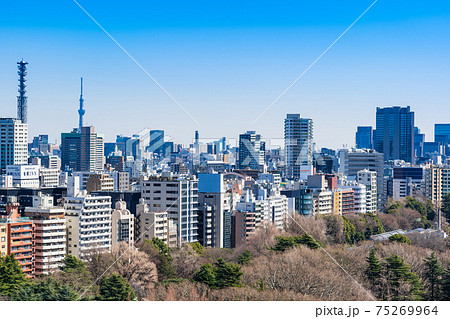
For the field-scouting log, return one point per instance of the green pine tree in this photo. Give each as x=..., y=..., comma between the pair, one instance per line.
x=206, y=275
x=350, y=235
x=227, y=274
x=115, y=288
x=433, y=275
x=446, y=207
x=164, y=266
x=446, y=284
x=72, y=263
x=11, y=276
x=283, y=243
x=399, y=238
x=398, y=275
x=373, y=271
x=308, y=240
x=245, y=257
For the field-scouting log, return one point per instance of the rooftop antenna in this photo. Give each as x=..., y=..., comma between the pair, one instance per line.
x=81, y=111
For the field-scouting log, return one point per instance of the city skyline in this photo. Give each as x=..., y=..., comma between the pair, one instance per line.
x=231, y=67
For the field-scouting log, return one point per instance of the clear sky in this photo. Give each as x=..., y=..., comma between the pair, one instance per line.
x=225, y=62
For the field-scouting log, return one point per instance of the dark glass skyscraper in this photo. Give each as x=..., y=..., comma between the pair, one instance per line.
x=395, y=133
x=364, y=137
x=442, y=133
x=156, y=142
x=251, y=150
x=419, y=139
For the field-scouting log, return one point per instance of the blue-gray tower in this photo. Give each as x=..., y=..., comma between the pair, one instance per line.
x=22, y=99
x=81, y=111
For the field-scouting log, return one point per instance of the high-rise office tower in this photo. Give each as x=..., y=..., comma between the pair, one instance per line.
x=91, y=150
x=419, y=139
x=156, y=144
x=251, y=151
x=13, y=142
x=70, y=151
x=442, y=133
x=82, y=151
x=298, y=143
x=395, y=133
x=364, y=137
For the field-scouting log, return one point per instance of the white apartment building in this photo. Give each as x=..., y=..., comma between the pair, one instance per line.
x=13, y=142
x=369, y=180
x=49, y=177
x=322, y=201
x=278, y=210
x=49, y=235
x=178, y=196
x=122, y=225
x=88, y=220
x=360, y=197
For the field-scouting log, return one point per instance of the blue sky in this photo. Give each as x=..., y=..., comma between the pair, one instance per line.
x=225, y=62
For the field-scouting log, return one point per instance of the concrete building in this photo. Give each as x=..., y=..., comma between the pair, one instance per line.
x=407, y=181
x=49, y=235
x=121, y=180
x=122, y=225
x=6, y=181
x=13, y=143
x=155, y=224
x=19, y=238
x=214, y=211
x=352, y=161
x=322, y=201
x=99, y=183
x=24, y=176
x=437, y=183
x=369, y=180
x=4, y=239
x=243, y=225
x=88, y=221
x=49, y=177
x=298, y=141
x=178, y=196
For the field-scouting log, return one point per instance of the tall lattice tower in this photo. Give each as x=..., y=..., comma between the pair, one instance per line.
x=81, y=111
x=22, y=99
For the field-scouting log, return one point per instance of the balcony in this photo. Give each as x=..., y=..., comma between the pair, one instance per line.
x=49, y=227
